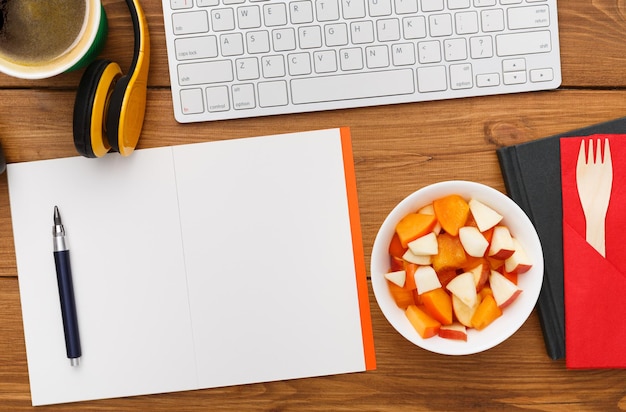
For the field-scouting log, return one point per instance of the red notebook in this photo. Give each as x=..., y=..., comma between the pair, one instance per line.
x=595, y=286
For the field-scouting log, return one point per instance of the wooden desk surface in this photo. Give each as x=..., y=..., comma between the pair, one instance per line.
x=397, y=150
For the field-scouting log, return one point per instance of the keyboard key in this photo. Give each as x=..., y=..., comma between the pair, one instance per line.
x=191, y=101
x=455, y=49
x=351, y=59
x=528, y=17
x=243, y=97
x=249, y=17
x=325, y=61
x=488, y=80
x=327, y=10
x=272, y=94
x=299, y=64
x=414, y=27
x=466, y=22
x=541, y=75
x=231, y=44
x=429, y=51
x=406, y=6
x=432, y=5
x=403, y=54
x=310, y=37
x=181, y=4
x=431, y=79
x=353, y=9
x=523, y=43
x=461, y=76
x=190, y=22
x=223, y=19
x=492, y=20
x=284, y=39
x=247, y=68
x=388, y=30
x=205, y=72
x=301, y=12
x=379, y=8
x=273, y=66
x=353, y=86
x=217, y=99
x=362, y=32
x=258, y=42
x=377, y=57
x=196, y=47
x=440, y=25
x=481, y=47
x=275, y=14
x=514, y=77
x=336, y=34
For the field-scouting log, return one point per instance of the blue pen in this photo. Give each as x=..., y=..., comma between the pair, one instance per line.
x=66, y=290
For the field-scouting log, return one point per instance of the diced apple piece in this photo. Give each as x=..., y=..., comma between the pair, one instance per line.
x=487, y=312
x=463, y=287
x=481, y=274
x=502, y=246
x=438, y=304
x=484, y=216
x=410, y=269
x=504, y=291
x=398, y=277
x=413, y=226
x=421, y=260
x=473, y=241
x=426, y=279
x=425, y=325
x=425, y=245
x=518, y=262
x=463, y=312
x=451, y=253
x=452, y=212
x=454, y=331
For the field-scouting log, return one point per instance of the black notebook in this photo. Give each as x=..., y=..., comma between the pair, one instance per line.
x=532, y=177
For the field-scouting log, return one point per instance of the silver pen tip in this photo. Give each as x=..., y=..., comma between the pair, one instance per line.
x=57, y=216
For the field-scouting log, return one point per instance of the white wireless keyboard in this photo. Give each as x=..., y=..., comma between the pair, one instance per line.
x=243, y=58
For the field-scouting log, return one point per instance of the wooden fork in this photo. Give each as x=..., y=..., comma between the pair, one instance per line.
x=594, y=179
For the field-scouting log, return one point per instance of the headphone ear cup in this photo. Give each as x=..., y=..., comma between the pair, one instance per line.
x=114, y=113
x=90, y=108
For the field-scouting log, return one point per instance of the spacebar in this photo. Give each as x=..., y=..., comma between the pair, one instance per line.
x=352, y=86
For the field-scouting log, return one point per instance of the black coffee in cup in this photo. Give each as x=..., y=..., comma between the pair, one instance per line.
x=33, y=32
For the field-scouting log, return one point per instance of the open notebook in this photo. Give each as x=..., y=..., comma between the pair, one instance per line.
x=195, y=266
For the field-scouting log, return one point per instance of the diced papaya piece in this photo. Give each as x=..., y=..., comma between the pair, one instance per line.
x=395, y=264
x=414, y=225
x=445, y=276
x=512, y=276
x=403, y=297
x=424, y=324
x=487, y=312
x=451, y=253
x=410, y=269
x=438, y=304
x=484, y=292
x=395, y=247
x=452, y=212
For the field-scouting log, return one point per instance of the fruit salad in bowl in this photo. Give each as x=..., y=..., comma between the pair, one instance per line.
x=457, y=267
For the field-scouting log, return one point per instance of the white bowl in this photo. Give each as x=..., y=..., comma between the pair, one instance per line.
x=513, y=315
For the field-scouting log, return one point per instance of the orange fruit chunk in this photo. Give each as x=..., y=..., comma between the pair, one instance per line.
x=452, y=212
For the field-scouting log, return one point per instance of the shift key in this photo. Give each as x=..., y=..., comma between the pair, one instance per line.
x=523, y=43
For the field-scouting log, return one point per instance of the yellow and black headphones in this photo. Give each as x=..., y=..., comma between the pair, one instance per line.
x=110, y=107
